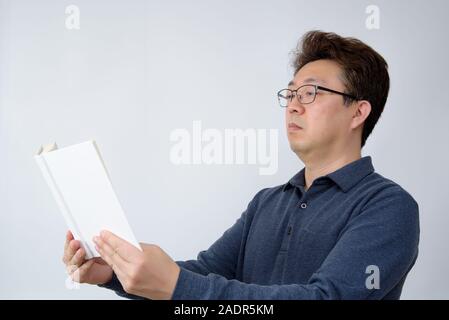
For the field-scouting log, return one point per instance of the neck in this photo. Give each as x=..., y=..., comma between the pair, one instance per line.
x=320, y=164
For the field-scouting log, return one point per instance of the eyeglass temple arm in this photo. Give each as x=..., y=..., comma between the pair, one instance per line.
x=337, y=92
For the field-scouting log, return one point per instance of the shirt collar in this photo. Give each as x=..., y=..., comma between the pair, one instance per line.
x=345, y=177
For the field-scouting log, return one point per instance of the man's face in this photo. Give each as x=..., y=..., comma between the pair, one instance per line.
x=325, y=123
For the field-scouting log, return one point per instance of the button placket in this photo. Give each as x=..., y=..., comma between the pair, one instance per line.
x=288, y=234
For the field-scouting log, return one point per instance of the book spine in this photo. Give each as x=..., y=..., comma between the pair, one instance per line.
x=42, y=163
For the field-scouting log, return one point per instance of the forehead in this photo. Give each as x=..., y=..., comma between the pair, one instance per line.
x=324, y=72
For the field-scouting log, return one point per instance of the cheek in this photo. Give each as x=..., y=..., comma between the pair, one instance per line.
x=318, y=119
x=324, y=124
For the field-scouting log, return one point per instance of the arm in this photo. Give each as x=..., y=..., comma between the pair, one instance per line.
x=220, y=258
x=385, y=234
x=114, y=284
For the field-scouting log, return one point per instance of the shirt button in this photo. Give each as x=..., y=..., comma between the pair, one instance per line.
x=303, y=205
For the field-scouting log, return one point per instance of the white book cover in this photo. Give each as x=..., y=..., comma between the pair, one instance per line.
x=82, y=188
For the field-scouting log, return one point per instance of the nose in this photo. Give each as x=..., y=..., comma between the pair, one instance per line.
x=295, y=106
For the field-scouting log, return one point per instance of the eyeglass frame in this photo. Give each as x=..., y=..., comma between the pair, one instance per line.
x=317, y=87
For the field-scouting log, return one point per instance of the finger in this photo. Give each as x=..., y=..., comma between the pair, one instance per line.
x=122, y=277
x=68, y=238
x=73, y=246
x=70, y=269
x=107, y=251
x=122, y=247
x=78, y=257
x=115, y=267
x=82, y=271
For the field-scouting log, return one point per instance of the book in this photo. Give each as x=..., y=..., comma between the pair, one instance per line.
x=82, y=188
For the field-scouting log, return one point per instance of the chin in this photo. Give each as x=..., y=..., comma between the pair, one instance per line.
x=297, y=146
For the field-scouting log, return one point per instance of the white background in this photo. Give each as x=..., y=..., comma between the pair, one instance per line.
x=137, y=70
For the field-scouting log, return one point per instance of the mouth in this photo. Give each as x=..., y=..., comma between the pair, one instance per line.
x=294, y=127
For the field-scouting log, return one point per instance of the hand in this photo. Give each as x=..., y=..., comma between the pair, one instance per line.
x=93, y=271
x=150, y=273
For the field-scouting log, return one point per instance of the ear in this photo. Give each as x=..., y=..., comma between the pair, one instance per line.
x=361, y=113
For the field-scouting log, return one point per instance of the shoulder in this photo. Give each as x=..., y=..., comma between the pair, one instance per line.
x=378, y=189
x=387, y=204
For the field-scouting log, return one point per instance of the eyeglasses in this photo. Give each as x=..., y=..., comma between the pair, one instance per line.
x=305, y=94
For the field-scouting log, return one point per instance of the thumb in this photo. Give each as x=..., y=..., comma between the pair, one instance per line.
x=83, y=270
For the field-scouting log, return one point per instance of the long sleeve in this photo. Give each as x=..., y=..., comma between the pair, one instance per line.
x=384, y=234
x=220, y=258
x=115, y=285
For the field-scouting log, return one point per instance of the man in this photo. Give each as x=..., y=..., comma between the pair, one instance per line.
x=336, y=230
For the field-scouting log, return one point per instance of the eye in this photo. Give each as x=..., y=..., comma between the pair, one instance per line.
x=309, y=92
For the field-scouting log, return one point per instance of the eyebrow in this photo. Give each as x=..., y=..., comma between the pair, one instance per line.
x=308, y=80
